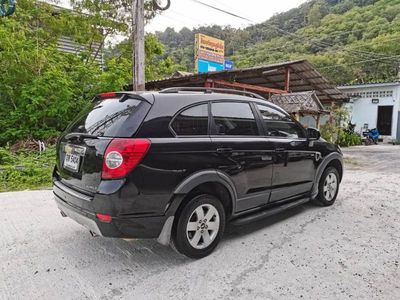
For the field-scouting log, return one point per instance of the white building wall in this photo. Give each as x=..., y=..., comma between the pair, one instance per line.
x=363, y=111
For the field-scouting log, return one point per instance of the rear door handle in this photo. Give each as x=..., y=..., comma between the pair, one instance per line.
x=224, y=150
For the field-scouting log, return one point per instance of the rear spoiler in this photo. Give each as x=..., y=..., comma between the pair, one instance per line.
x=148, y=97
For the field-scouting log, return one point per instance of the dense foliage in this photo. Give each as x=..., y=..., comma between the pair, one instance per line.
x=41, y=88
x=348, y=40
x=338, y=131
x=25, y=169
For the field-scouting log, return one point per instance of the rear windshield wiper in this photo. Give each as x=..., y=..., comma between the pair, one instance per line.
x=80, y=135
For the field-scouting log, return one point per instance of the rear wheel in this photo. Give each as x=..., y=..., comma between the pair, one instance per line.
x=328, y=187
x=200, y=226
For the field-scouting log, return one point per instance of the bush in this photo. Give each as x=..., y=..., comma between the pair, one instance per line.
x=337, y=133
x=347, y=139
x=26, y=169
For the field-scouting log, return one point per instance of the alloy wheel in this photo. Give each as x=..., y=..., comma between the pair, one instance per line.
x=203, y=226
x=330, y=186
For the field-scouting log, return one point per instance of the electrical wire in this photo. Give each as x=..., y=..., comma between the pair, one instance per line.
x=223, y=11
x=395, y=58
x=322, y=45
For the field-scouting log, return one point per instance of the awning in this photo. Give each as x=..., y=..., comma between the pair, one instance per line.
x=287, y=77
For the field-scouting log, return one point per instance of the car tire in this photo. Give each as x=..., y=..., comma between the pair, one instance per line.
x=195, y=236
x=328, y=187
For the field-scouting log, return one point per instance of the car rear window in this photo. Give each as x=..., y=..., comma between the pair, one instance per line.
x=111, y=117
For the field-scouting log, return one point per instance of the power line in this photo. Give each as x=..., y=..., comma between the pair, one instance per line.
x=230, y=7
x=394, y=58
x=223, y=11
x=322, y=45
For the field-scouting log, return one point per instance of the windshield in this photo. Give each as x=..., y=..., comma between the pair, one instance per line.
x=111, y=117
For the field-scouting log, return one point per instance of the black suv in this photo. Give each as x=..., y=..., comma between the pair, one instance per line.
x=179, y=164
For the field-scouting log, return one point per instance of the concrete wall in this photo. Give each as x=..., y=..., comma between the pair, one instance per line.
x=363, y=111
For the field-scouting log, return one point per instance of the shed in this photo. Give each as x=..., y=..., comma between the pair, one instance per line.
x=300, y=104
x=281, y=78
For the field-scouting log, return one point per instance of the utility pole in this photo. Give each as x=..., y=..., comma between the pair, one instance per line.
x=138, y=54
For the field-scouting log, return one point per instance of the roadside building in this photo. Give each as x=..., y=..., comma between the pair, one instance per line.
x=66, y=43
x=375, y=105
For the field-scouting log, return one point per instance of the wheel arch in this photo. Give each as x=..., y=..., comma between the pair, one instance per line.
x=211, y=182
x=332, y=160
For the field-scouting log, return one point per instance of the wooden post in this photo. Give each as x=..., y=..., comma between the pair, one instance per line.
x=209, y=83
x=287, y=79
x=133, y=35
x=138, y=44
x=318, y=121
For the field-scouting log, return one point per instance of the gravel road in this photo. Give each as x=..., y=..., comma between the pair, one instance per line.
x=350, y=250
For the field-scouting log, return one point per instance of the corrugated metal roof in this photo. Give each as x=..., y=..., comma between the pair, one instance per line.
x=303, y=77
x=67, y=45
x=369, y=84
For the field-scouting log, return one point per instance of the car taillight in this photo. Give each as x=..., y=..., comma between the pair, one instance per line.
x=104, y=218
x=122, y=156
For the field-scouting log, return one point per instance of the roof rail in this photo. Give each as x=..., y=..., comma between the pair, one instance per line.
x=210, y=90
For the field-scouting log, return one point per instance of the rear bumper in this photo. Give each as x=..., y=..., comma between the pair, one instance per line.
x=79, y=207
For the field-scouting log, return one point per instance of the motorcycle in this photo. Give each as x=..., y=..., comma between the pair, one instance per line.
x=371, y=136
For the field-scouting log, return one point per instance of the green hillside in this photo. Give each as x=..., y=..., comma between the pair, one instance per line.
x=349, y=41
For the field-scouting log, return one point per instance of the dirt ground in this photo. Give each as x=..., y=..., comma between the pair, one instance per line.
x=349, y=250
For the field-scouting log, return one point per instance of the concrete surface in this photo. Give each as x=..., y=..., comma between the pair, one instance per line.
x=350, y=250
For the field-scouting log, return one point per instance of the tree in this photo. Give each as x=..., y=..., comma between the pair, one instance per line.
x=43, y=89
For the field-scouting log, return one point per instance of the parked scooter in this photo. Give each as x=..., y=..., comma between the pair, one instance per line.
x=371, y=136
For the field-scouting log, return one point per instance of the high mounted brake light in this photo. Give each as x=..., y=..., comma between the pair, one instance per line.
x=122, y=156
x=108, y=95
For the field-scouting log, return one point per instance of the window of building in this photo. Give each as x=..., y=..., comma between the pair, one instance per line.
x=192, y=121
x=234, y=118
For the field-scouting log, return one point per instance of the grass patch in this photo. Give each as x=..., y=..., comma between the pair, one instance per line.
x=26, y=169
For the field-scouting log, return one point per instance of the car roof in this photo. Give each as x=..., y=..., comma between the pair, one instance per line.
x=194, y=96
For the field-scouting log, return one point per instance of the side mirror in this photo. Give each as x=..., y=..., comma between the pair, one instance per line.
x=313, y=134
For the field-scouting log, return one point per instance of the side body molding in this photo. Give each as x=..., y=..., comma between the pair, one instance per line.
x=321, y=168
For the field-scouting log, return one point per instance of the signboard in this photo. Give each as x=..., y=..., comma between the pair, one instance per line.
x=204, y=66
x=209, y=48
x=228, y=65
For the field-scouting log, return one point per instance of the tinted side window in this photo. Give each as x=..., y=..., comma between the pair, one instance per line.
x=192, y=121
x=279, y=124
x=234, y=118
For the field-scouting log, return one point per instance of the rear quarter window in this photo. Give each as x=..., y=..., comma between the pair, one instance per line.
x=192, y=121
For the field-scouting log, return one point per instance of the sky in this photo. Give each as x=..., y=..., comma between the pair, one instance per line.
x=191, y=14
x=188, y=13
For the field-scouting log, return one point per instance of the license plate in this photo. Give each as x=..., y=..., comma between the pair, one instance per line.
x=71, y=162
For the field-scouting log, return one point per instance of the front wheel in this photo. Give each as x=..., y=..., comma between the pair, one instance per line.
x=328, y=187
x=200, y=226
